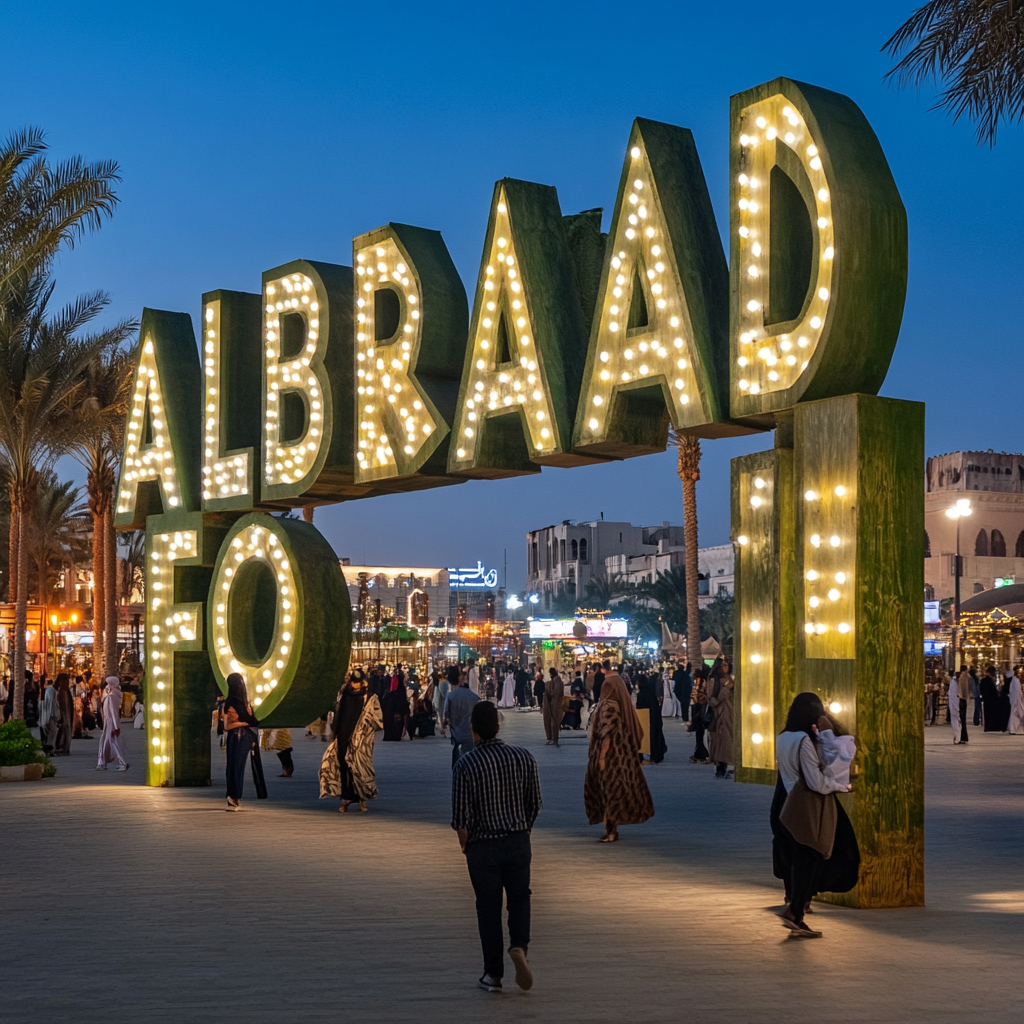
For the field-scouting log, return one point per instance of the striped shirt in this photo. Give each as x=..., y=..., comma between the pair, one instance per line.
x=495, y=790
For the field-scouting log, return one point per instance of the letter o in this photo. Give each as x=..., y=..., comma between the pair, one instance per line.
x=279, y=615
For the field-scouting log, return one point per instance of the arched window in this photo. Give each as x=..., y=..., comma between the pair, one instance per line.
x=1019, y=550
x=576, y=550
x=583, y=550
x=927, y=546
x=981, y=544
x=998, y=545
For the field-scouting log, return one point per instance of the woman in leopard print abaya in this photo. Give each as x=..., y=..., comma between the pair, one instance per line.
x=615, y=791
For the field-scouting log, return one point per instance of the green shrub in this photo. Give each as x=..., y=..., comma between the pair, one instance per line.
x=19, y=746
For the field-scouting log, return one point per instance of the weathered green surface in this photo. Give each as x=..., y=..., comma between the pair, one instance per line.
x=435, y=364
x=320, y=630
x=239, y=428
x=878, y=678
x=870, y=264
x=181, y=388
x=763, y=565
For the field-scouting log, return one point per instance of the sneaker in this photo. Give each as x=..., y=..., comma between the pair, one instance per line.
x=524, y=976
x=803, y=932
x=100, y=768
x=122, y=768
x=489, y=984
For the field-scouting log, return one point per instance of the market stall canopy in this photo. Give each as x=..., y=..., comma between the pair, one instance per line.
x=1010, y=599
x=710, y=648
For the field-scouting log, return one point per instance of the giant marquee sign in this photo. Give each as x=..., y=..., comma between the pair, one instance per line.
x=342, y=382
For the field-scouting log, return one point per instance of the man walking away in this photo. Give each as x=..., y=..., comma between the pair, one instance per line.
x=495, y=801
x=599, y=679
x=457, y=708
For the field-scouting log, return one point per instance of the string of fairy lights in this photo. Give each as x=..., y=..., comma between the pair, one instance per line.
x=288, y=460
x=392, y=414
x=658, y=351
x=222, y=477
x=256, y=543
x=153, y=460
x=491, y=386
x=756, y=615
x=168, y=627
x=768, y=361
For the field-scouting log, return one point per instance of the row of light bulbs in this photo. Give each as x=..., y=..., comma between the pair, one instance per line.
x=391, y=410
x=294, y=294
x=767, y=362
x=822, y=571
x=660, y=352
x=519, y=383
x=257, y=543
x=166, y=627
x=155, y=462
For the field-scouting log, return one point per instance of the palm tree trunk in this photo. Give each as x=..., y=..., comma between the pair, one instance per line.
x=689, y=474
x=98, y=604
x=110, y=660
x=19, y=509
x=307, y=513
x=12, y=551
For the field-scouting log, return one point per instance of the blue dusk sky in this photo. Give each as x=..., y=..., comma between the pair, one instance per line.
x=250, y=134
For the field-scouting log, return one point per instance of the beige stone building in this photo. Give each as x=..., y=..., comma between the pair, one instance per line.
x=991, y=537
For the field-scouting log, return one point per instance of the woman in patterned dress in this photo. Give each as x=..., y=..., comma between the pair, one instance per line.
x=615, y=791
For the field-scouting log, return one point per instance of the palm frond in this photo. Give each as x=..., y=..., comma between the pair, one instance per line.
x=974, y=47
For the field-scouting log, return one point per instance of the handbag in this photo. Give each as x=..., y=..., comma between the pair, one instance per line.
x=708, y=717
x=810, y=817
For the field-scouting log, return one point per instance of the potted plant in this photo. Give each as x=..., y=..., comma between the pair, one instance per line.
x=21, y=755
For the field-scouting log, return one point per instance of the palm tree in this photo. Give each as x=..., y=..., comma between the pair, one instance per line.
x=669, y=592
x=132, y=567
x=54, y=520
x=688, y=468
x=602, y=590
x=43, y=370
x=46, y=206
x=976, y=47
x=107, y=392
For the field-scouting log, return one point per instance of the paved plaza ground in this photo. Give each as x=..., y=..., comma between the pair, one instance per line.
x=123, y=903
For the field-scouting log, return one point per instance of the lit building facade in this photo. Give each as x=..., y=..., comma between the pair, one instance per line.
x=991, y=537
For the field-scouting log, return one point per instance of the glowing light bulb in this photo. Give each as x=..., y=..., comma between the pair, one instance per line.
x=758, y=482
x=755, y=625
x=812, y=574
x=840, y=491
x=743, y=539
x=833, y=594
x=835, y=707
x=755, y=709
x=756, y=738
x=834, y=541
x=843, y=627
x=815, y=540
x=811, y=495
x=840, y=577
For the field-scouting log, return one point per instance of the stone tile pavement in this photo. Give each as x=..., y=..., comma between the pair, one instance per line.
x=122, y=903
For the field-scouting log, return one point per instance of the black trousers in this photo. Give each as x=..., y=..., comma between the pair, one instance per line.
x=243, y=746
x=496, y=865
x=963, y=720
x=700, y=751
x=285, y=757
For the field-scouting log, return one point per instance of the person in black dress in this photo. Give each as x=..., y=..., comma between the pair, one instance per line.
x=647, y=697
x=242, y=744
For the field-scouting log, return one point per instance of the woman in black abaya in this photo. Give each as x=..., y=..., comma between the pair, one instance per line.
x=242, y=744
x=647, y=697
x=395, y=708
x=990, y=700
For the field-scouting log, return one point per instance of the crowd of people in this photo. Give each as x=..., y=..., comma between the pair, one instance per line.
x=991, y=700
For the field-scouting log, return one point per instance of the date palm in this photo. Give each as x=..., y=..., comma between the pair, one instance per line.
x=107, y=391
x=688, y=467
x=974, y=47
x=44, y=361
x=46, y=206
x=54, y=521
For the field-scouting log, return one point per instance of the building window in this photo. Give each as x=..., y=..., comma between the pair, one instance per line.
x=998, y=545
x=981, y=544
x=583, y=550
x=562, y=543
x=927, y=546
x=575, y=551
x=533, y=555
x=1019, y=551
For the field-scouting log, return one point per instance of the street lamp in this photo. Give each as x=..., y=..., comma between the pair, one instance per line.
x=958, y=511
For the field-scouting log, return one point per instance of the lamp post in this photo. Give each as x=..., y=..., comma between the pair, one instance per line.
x=958, y=511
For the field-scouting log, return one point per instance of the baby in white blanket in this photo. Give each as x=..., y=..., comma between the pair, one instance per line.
x=837, y=752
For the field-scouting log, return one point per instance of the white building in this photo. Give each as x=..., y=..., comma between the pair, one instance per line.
x=991, y=537
x=562, y=560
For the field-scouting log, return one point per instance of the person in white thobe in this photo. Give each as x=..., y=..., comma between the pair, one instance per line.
x=474, y=678
x=1016, y=706
x=670, y=703
x=111, y=744
x=508, y=691
x=954, y=708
